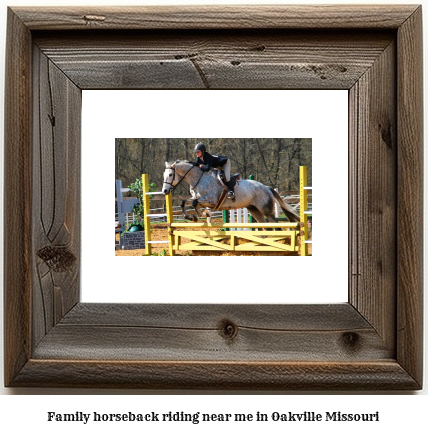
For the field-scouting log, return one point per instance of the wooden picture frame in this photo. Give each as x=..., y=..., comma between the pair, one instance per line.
x=372, y=342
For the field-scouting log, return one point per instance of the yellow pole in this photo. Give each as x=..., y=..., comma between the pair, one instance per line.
x=170, y=219
x=146, y=203
x=303, y=208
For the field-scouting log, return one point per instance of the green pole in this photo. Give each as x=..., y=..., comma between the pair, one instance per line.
x=251, y=178
x=226, y=217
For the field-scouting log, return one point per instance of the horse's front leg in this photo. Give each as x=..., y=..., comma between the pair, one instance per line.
x=207, y=214
x=208, y=202
x=190, y=201
x=195, y=205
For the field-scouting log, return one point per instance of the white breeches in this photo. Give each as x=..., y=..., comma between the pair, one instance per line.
x=226, y=170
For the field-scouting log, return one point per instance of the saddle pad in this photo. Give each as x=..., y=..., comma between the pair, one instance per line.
x=221, y=199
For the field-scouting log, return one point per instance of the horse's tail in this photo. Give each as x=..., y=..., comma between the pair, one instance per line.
x=288, y=211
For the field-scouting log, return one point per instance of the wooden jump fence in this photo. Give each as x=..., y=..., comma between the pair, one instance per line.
x=267, y=237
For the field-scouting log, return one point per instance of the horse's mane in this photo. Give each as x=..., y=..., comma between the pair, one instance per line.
x=172, y=163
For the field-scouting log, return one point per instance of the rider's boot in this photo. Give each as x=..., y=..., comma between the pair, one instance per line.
x=231, y=193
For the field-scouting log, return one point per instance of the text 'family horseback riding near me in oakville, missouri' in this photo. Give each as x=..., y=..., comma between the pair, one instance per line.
x=199, y=417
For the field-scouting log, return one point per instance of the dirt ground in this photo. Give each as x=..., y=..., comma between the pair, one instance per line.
x=159, y=232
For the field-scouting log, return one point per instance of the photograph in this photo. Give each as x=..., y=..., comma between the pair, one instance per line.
x=182, y=197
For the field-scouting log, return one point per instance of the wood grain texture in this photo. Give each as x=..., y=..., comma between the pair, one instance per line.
x=216, y=59
x=410, y=191
x=199, y=332
x=372, y=342
x=56, y=194
x=17, y=199
x=210, y=316
x=373, y=173
x=216, y=17
x=385, y=375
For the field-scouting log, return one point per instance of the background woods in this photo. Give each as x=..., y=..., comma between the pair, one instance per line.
x=273, y=162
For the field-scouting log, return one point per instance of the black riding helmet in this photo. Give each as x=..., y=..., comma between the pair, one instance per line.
x=200, y=147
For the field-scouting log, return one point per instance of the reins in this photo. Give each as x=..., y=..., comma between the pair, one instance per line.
x=173, y=187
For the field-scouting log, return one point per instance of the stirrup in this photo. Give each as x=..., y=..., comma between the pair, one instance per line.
x=231, y=195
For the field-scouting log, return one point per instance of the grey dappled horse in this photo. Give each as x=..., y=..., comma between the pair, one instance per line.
x=206, y=190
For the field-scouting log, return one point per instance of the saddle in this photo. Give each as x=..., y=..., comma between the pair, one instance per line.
x=234, y=179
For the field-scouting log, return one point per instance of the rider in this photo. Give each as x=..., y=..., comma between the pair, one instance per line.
x=205, y=161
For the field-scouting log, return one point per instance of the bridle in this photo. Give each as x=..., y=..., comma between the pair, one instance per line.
x=173, y=187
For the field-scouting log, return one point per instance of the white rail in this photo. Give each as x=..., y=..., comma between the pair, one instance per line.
x=157, y=215
x=131, y=217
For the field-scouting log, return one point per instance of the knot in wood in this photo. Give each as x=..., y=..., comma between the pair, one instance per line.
x=351, y=340
x=228, y=329
x=386, y=134
x=58, y=259
x=89, y=18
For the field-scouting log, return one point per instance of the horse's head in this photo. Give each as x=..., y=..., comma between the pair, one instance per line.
x=174, y=173
x=170, y=178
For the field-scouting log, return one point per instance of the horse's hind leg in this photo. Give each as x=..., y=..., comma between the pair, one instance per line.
x=259, y=217
x=272, y=219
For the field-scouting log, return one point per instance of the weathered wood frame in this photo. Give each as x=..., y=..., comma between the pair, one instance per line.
x=372, y=342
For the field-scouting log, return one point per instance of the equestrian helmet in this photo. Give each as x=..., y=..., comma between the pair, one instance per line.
x=200, y=147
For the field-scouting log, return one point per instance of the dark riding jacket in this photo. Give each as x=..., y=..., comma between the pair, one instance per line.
x=209, y=161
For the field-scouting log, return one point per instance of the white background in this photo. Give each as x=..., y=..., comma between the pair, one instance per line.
x=401, y=413
x=321, y=115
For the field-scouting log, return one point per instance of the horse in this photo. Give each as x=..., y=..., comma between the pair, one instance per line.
x=206, y=190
